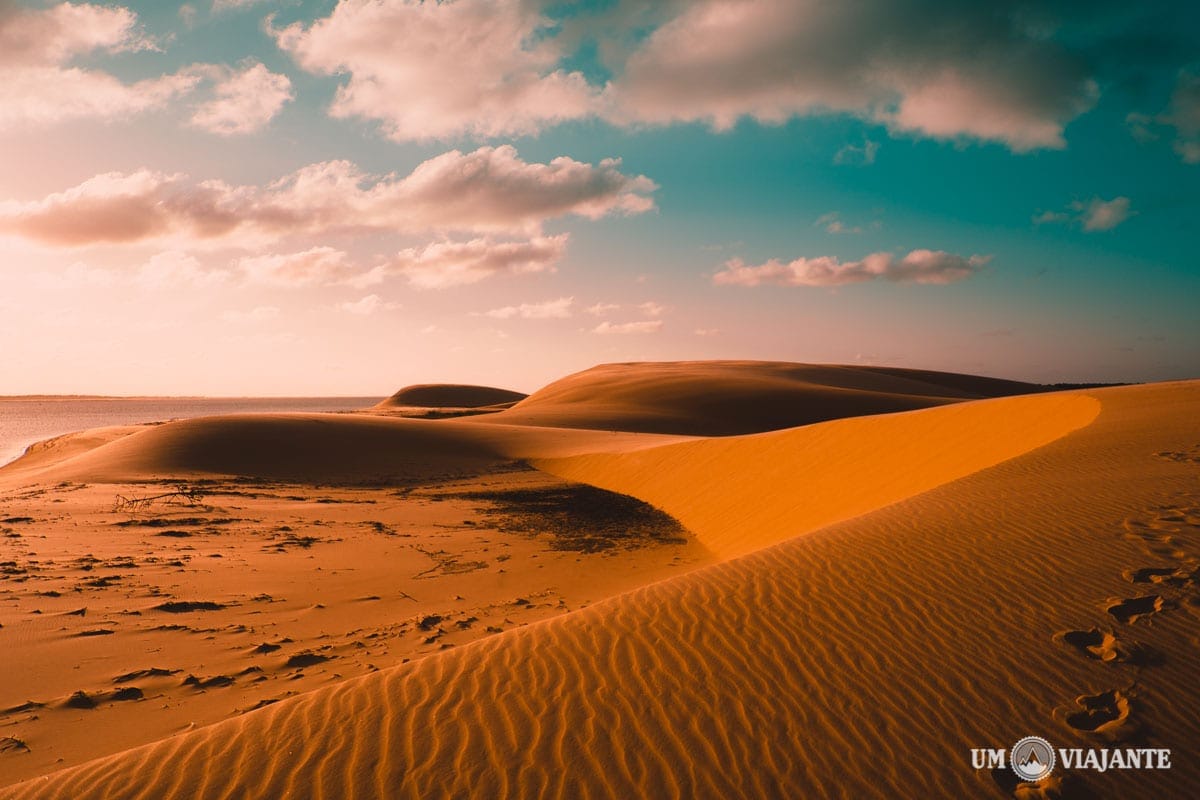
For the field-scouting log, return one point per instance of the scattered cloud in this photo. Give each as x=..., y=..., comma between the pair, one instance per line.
x=945, y=70
x=939, y=69
x=442, y=70
x=490, y=190
x=444, y=264
x=175, y=267
x=1182, y=115
x=315, y=266
x=550, y=309
x=919, y=266
x=1104, y=215
x=856, y=155
x=243, y=102
x=225, y=5
x=40, y=86
x=833, y=223
x=600, y=309
x=53, y=36
x=652, y=309
x=367, y=306
x=1094, y=215
x=642, y=326
x=1051, y=217
x=706, y=331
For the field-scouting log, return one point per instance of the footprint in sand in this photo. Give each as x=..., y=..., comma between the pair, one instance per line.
x=1106, y=714
x=1171, y=531
x=1189, y=456
x=1153, y=542
x=1106, y=647
x=1131, y=609
x=1175, y=577
x=1093, y=643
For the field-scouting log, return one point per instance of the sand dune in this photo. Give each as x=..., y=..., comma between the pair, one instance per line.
x=864, y=658
x=450, y=395
x=719, y=398
x=743, y=493
x=307, y=447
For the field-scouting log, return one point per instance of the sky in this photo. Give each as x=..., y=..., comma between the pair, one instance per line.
x=242, y=197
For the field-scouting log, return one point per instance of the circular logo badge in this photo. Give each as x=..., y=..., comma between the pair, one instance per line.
x=1032, y=758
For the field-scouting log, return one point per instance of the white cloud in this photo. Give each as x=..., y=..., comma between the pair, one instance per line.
x=490, y=190
x=706, y=331
x=225, y=5
x=600, y=309
x=652, y=309
x=41, y=87
x=52, y=36
x=367, y=306
x=919, y=266
x=1182, y=115
x=550, y=309
x=439, y=70
x=315, y=266
x=244, y=101
x=643, y=326
x=833, y=223
x=175, y=267
x=1094, y=215
x=1104, y=215
x=852, y=154
x=942, y=69
x=443, y=264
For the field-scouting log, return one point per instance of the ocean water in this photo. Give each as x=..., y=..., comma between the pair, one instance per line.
x=24, y=421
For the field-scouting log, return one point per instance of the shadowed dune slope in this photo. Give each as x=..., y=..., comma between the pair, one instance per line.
x=739, y=494
x=864, y=659
x=320, y=448
x=450, y=395
x=721, y=398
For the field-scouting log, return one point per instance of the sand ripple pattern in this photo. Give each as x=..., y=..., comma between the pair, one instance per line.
x=862, y=660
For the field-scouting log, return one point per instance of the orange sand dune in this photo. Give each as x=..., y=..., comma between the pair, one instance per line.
x=450, y=395
x=862, y=659
x=743, y=493
x=718, y=398
x=306, y=447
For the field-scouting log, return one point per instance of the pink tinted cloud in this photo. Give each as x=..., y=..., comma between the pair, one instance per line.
x=945, y=70
x=559, y=308
x=437, y=70
x=490, y=190
x=315, y=266
x=919, y=266
x=444, y=264
x=52, y=36
x=641, y=326
x=243, y=101
x=41, y=87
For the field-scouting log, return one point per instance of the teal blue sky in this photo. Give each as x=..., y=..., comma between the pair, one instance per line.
x=1010, y=190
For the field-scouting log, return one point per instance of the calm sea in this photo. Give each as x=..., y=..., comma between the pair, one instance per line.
x=24, y=421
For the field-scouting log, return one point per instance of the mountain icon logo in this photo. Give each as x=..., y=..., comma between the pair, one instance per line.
x=1032, y=758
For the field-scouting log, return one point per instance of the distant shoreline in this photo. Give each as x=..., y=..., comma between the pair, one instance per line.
x=50, y=397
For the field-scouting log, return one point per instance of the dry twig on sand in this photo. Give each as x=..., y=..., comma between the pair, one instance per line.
x=181, y=495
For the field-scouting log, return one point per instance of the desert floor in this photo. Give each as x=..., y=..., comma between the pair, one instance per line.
x=592, y=594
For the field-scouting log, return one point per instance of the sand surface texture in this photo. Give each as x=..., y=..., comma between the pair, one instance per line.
x=855, y=604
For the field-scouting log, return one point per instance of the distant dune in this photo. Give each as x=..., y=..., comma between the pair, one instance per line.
x=721, y=398
x=450, y=395
x=889, y=592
